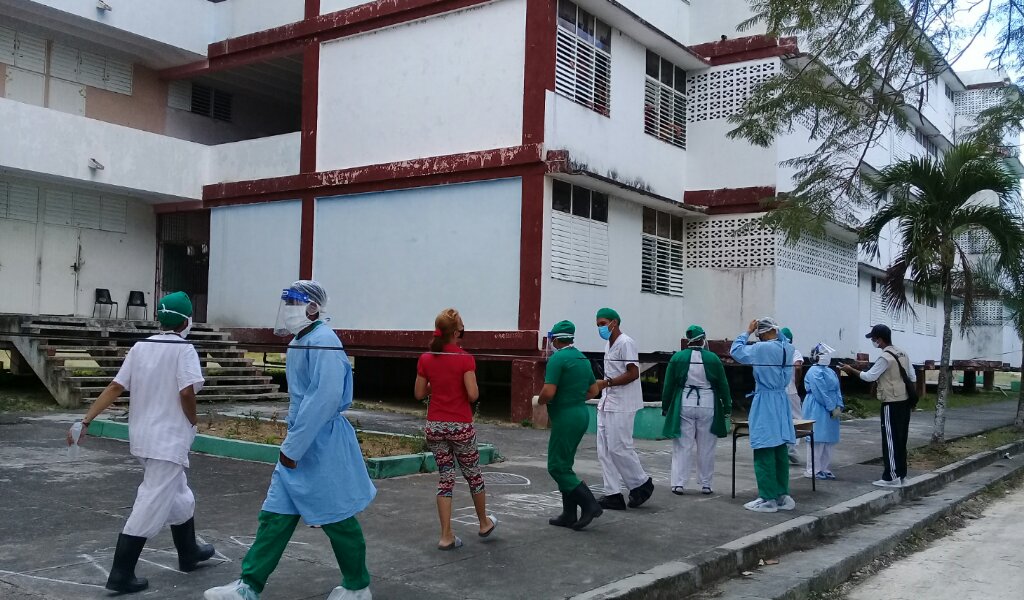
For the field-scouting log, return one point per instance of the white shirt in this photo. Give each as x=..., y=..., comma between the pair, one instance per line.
x=879, y=367
x=697, y=377
x=618, y=356
x=155, y=373
x=797, y=358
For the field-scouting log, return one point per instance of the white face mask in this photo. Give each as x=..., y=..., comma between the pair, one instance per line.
x=876, y=344
x=188, y=328
x=295, y=319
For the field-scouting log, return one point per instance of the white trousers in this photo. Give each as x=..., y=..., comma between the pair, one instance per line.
x=797, y=410
x=615, y=452
x=163, y=499
x=695, y=439
x=822, y=458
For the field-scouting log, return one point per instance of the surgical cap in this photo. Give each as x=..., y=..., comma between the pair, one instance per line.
x=786, y=332
x=822, y=349
x=611, y=315
x=766, y=324
x=563, y=330
x=695, y=332
x=313, y=290
x=174, y=309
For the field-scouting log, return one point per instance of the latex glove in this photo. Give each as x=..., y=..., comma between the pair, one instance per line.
x=836, y=412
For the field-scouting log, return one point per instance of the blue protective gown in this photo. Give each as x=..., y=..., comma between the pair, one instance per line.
x=330, y=482
x=771, y=422
x=823, y=396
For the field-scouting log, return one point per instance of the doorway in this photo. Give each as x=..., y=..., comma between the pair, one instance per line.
x=184, y=260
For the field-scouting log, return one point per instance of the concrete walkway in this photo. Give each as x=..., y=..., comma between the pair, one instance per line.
x=982, y=560
x=61, y=518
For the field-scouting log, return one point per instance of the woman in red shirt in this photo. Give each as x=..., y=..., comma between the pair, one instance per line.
x=448, y=375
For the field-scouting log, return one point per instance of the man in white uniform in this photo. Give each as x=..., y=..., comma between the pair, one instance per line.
x=621, y=398
x=795, y=402
x=163, y=375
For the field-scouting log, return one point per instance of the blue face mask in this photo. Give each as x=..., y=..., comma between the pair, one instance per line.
x=604, y=332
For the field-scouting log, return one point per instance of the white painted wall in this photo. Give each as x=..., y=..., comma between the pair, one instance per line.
x=239, y=17
x=719, y=162
x=724, y=301
x=670, y=16
x=254, y=254
x=655, y=321
x=617, y=146
x=57, y=144
x=120, y=262
x=329, y=6
x=428, y=248
x=17, y=266
x=816, y=310
x=186, y=24
x=444, y=85
x=711, y=19
x=260, y=158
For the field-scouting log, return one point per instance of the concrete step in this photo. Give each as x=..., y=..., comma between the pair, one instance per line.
x=239, y=371
x=104, y=322
x=110, y=331
x=116, y=360
x=214, y=380
x=121, y=350
x=209, y=390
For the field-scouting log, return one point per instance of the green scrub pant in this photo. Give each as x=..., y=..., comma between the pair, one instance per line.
x=771, y=468
x=567, y=428
x=272, y=537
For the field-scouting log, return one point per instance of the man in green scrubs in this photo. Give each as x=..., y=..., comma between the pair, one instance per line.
x=568, y=384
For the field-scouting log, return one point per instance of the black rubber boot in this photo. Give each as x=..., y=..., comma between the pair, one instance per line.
x=589, y=508
x=122, y=575
x=190, y=553
x=612, y=502
x=641, y=494
x=568, y=516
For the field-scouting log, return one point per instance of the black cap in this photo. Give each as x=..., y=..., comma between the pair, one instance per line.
x=880, y=331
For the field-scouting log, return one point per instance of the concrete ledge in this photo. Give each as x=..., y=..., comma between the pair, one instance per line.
x=378, y=468
x=743, y=553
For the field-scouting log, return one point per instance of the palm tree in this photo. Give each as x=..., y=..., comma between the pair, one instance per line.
x=930, y=203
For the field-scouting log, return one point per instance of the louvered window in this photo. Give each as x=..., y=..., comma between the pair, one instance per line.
x=22, y=202
x=88, y=211
x=665, y=101
x=211, y=102
x=661, y=270
x=579, y=234
x=94, y=70
x=583, y=60
x=22, y=50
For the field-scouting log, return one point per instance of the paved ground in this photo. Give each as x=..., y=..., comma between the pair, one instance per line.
x=60, y=518
x=982, y=560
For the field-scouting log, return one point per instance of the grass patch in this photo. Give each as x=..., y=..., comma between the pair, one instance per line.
x=272, y=430
x=862, y=405
x=927, y=458
x=24, y=393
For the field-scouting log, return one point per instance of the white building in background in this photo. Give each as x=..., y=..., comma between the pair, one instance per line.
x=526, y=161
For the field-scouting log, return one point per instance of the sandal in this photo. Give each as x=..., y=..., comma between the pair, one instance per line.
x=452, y=546
x=494, y=523
x=678, y=490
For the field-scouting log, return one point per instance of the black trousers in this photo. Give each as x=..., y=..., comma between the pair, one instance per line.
x=895, y=430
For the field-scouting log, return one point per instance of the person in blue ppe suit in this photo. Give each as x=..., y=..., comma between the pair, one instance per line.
x=321, y=475
x=823, y=404
x=771, y=422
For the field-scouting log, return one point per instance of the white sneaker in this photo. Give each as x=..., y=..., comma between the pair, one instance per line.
x=788, y=503
x=236, y=590
x=762, y=505
x=340, y=593
x=883, y=483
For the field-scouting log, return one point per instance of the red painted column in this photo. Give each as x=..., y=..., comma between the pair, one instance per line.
x=307, y=151
x=531, y=244
x=312, y=9
x=539, y=74
x=527, y=379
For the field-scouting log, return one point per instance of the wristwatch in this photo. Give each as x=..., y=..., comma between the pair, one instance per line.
x=608, y=380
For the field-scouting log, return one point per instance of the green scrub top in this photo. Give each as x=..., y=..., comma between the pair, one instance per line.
x=570, y=370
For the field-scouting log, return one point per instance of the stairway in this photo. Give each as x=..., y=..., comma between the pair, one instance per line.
x=76, y=357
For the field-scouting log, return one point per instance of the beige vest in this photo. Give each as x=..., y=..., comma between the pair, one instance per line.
x=890, y=386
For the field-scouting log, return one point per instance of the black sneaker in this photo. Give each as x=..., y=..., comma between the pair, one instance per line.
x=641, y=494
x=612, y=502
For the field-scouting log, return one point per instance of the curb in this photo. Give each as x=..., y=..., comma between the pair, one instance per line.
x=378, y=468
x=680, y=578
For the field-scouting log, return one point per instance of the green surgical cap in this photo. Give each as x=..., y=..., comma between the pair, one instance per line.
x=173, y=309
x=611, y=315
x=694, y=332
x=786, y=332
x=563, y=330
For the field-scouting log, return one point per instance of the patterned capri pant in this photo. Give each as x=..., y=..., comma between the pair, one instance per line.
x=452, y=442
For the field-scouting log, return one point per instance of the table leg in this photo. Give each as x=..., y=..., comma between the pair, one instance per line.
x=814, y=469
x=734, y=465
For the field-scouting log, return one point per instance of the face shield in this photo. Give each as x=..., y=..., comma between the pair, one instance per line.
x=294, y=312
x=822, y=354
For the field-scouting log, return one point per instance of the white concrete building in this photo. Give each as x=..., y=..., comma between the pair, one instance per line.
x=523, y=160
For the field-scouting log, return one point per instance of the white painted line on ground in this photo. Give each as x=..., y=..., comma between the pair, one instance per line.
x=50, y=579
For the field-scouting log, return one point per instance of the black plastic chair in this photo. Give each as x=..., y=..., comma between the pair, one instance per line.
x=136, y=299
x=103, y=299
